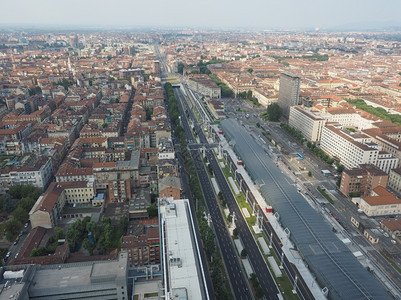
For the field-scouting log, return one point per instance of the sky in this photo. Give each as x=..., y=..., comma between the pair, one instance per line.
x=265, y=14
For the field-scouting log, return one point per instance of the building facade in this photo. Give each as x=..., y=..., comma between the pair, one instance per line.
x=351, y=149
x=307, y=122
x=380, y=203
x=361, y=181
x=394, y=180
x=288, y=91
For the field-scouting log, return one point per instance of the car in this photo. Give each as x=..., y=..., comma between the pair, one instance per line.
x=8, y=254
x=393, y=242
x=26, y=225
x=20, y=233
x=386, y=234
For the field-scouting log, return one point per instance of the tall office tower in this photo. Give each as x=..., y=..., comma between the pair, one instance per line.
x=288, y=94
x=156, y=67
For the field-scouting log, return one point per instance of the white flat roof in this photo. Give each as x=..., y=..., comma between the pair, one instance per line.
x=179, y=245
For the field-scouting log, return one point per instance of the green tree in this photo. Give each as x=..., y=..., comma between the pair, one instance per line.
x=9, y=205
x=274, y=112
x=152, y=210
x=250, y=70
x=106, y=220
x=20, y=214
x=105, y=125
x=235, y=232
x=244, y=253
x=19, y=191
x=309, y=174
x=59, y=232
x=40, y=251
x=73, y=237
x=27, y=203
x=89, y=246
x=340, y=168
x=259, y=292
x=149, y=113
x=95, y=229
x=180, y=67
x=124, y=224
x=11, y=228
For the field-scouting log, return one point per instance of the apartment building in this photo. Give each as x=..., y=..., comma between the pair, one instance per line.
x=380, y=203
x=307, y=122
x=38, y=175
x=352, y=149
x=68, y=173
x=204, y=85
x=361, y=181
x=47, y=210
x=143, y=249
x=394, y=180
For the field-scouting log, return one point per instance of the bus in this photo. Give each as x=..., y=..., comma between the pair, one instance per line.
x=300, y=155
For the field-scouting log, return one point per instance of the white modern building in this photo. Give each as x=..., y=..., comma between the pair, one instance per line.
x=183, y=276
x=307, y=122
x=350, y=148
x=386, y=161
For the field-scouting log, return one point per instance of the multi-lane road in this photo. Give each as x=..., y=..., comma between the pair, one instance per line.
x=255, y=257
x=238, y=282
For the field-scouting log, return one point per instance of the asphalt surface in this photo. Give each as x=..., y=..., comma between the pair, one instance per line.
x=238, y=282
x=255, y=257
x=187, y=194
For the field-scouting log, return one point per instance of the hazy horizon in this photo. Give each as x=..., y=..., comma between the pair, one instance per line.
x=267, y=14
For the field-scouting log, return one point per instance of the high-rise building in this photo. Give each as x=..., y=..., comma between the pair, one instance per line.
x=288, y=92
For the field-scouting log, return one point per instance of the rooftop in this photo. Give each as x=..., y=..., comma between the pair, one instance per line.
x=51, y=279
x=182, y=269
x=328, y=258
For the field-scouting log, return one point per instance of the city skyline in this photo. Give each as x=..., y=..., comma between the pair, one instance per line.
x=357, y=15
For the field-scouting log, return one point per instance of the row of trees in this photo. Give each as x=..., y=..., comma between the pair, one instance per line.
x=180, y=67
x=292, y=131
x=18, y=202
x=312, y=147
x=208, y=238
x=172, y=105
x=213, y=256
x=377, y=111
x=180, y=135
